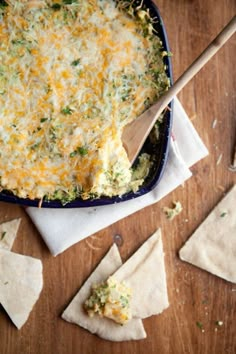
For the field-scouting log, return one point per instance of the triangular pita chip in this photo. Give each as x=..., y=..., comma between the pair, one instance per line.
x=145, y=273
x=103, y=327
x=8, y=232
x=213, y=245
x=21, y=282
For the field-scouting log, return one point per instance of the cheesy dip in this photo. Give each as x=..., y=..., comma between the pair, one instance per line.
x=73, y=73
x=110, y=299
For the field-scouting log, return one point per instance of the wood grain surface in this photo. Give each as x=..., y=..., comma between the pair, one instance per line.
x=194, y=294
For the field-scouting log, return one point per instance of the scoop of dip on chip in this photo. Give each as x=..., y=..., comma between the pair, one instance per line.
x=137, y=287
x=110, y=299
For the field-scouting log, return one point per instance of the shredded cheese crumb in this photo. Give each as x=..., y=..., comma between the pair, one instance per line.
x=171, y=213
x=219, y=159
x=219, y=323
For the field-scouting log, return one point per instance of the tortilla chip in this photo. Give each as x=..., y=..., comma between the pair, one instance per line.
x=8, y=232
x=145, y=273
x=21, y=282
x=212, y=246
x=103, y=327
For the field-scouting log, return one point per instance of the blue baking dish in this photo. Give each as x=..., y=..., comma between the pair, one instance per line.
x=158, y=151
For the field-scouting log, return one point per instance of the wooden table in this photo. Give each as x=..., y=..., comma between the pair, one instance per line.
x=194, y=294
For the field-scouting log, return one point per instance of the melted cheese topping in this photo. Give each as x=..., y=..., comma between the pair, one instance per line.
x=72, y=75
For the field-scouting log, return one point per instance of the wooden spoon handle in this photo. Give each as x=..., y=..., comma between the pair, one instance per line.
x=135, y=133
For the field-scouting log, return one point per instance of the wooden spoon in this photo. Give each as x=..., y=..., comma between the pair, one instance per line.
x=136, y=132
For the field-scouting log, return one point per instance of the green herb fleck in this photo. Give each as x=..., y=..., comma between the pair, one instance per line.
x=82, y=151
x=199, y=324
x=66, y=110
x=56, y=6
x=73, y=154
x=124, y=301
x=35, y=146
x=36, y=130
x=42, y=120
x=18, y=41
x=75, y=62
x=223, y=214
x=69, y=2
x=6, y=282
x=3, y=3
x=3, y=235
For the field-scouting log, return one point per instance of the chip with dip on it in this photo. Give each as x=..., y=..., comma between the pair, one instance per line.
x=8, y=233
x=21, y=283
x=102, y=326
x=125, y=293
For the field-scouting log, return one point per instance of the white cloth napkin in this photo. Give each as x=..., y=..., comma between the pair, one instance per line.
x=61, y=228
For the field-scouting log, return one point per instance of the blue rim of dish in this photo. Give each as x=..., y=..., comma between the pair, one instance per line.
x=161, y=154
